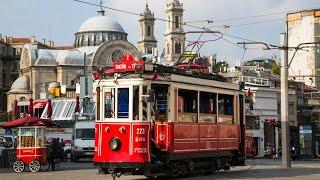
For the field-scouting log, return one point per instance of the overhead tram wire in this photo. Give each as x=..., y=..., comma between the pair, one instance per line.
x=165, y=20
x=253, y=23
x=251, y=17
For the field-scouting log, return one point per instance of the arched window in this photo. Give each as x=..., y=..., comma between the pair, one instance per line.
x=148, y=31
x=149, y=50
x=176, y=22
x=177, y=48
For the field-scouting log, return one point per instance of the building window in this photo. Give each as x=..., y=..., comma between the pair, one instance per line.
x=291, y=108
x=148, y=31
x=176, y=22
x=149, y=50
x=177, y=48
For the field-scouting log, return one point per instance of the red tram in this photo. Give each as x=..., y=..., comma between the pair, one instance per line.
x=156, y=120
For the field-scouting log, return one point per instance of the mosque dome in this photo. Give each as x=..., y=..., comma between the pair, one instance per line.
x=100, y=23
x=98, y=30
x=21, y=85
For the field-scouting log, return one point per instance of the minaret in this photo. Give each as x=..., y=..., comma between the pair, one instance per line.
x=175, y=35
x=147, y=43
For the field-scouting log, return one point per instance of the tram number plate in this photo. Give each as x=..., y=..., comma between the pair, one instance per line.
x=141, y=131
x=89, y=153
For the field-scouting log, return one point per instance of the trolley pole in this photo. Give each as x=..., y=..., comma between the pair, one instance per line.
x=285, y=136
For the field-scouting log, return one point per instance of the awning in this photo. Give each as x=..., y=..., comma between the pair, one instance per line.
x=39, y=104
x=28, y=121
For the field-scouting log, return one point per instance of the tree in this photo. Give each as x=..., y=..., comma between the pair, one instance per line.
x=275, y=68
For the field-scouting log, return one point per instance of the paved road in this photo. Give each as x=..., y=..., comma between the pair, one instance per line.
x=256, y=169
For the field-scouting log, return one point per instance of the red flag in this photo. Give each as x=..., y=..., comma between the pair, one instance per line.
x=77, y=108
x=95, y=75
x=49, y=111
x=154, y=76
x=30, y=107
x=249, y=92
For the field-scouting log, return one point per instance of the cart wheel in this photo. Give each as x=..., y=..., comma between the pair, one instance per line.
x=18, y=166
x=34, y=166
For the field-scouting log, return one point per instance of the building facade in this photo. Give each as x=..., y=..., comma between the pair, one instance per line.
x=304, y=27
x=41, y=69
x=147, y=43
x=175, y=35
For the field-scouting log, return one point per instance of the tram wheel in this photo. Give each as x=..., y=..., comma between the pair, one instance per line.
x=18, y=166
x=34, y=166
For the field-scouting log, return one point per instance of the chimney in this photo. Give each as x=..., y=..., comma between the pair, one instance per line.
x=10, y=40
x=44, y=41
x=5, y=39
x=51, y=44
x=33, y=39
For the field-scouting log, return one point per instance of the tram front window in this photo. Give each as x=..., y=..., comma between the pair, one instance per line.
x=109, y=103
x=123, y=103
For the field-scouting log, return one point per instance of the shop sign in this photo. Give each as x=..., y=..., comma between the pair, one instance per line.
x=305, y=129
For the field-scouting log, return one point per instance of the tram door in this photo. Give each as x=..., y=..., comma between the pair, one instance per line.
x=160, y=106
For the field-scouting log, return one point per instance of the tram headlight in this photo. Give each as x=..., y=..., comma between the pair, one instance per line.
x=115, y=144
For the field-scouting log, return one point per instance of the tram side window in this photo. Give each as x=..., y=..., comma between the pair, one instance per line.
x=161, y=101
x=187, y=105
x=109, y=103
x=123, y=102
x=207, y=107
x=225, y=109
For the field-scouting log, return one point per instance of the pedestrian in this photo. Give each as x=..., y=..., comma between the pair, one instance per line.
x=53, y=153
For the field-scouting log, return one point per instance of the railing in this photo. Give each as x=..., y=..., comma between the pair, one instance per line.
x=254, y=80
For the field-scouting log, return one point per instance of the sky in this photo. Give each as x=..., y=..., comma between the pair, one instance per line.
x=58, y=20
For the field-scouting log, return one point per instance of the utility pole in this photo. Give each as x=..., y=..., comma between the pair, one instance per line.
x=86, y=96
x=285, y=136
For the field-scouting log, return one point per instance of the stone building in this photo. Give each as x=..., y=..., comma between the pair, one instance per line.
x=175, y=35
x=148, y=42
x=303, y=27
x=10, y=51
x=100, y=39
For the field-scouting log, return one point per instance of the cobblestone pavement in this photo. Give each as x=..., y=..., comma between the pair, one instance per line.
x=255, y=169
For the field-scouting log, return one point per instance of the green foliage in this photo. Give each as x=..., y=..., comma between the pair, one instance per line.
x=275, y=68
x=5, y=117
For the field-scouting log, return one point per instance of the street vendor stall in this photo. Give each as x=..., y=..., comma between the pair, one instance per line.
x=31, y=148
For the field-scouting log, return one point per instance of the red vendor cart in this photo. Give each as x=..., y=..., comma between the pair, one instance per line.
x=31, y=143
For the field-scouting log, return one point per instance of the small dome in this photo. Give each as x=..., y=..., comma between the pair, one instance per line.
x=100, y=23
x=21, y=85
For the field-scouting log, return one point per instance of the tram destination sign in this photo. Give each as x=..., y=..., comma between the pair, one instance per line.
x=128, y=64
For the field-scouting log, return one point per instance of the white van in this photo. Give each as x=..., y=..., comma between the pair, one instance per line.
x=83, y=140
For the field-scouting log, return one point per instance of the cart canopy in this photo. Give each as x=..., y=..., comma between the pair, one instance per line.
x=28, y=121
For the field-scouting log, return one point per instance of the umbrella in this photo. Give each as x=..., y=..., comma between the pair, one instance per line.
x=49, y=111
x=26, y=121
x=77, y=108
x=30, y=107
x=15, y=110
